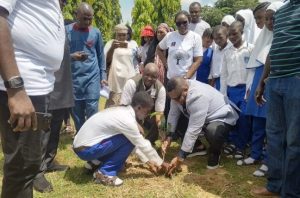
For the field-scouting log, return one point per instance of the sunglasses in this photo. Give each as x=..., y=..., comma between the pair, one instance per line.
x=179, y=23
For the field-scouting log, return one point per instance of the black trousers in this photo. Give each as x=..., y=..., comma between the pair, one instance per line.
x=58, y=117
x=216, y=134
x=22, y=151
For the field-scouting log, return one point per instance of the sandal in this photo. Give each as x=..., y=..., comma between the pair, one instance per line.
x=238, y=154
x=229, y=149
x=245, y=162
x=261, y=172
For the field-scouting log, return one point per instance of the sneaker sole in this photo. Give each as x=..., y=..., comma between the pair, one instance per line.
x=197, y=154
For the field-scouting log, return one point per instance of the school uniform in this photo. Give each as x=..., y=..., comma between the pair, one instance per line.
x=216, y=64
x=233, y=85
x=204, y=68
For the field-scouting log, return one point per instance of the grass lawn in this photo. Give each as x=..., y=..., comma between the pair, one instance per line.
x=195, y=180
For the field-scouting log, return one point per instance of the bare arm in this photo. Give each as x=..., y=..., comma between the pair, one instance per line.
x=161, y=55
x=261, y=86
x=22, y=112
x=195, y=65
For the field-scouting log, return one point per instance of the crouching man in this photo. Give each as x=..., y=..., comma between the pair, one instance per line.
x=207, y=110
x=110, y=136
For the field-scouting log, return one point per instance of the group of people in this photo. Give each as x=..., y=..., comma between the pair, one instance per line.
x=236, y=85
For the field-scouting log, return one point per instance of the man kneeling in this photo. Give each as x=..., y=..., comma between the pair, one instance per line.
x=207, y=109
x=110, y=136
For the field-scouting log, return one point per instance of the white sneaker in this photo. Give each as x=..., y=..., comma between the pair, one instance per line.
x=92, y=165
x=213, y=167
x=106, y=179
x=261, y=172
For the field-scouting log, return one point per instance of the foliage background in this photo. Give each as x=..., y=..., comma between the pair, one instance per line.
x=152, y=12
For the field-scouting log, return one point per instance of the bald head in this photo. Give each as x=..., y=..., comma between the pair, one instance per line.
x=150, y=74
x=151, y=68
x=237, y=25
x=84, y=15
x=85, y=8
x=176, y=84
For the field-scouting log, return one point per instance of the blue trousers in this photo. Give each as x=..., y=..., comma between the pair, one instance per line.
x=217, y=83
x=283, y=135
x=82, y=110
x=258, y=137
x=112, y=152
x=241, y=133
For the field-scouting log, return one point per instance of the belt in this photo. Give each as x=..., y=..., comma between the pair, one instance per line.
x=81, y=148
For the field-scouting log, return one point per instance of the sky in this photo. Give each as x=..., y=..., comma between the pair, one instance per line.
x=126, y=6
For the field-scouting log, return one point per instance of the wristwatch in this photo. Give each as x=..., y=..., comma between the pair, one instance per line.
x=14, y=82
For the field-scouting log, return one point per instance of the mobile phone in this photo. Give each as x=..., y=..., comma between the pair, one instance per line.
x=123, y=45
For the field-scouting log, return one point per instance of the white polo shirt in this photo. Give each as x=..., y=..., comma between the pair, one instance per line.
x=38, y=35
x=182, y=50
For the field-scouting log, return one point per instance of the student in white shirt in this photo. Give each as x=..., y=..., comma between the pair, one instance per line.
x=220, y=35
x=197, y=24
x=233, y=85
x=207, y=109
x=110, y=136
x=148, y=82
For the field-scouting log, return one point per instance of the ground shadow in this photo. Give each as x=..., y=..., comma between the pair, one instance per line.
x=78, y=175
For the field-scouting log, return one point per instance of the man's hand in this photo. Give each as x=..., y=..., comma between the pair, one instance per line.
x=22, y=112
x=174, y=165
x=164, y=168
x=79, y=56
x=165, y=145
x=104, y=83
x=153, y=167
x=259, y=97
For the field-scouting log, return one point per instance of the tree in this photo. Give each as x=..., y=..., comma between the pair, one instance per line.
x=212, y=15
x=141, y=16
x=107, y=14
x=165, y=11
x=232, y=6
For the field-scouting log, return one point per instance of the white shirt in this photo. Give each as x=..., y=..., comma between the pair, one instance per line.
x=217, y=61
x=234, y=66
x=113, y=121
x=130, y=89
x=200, y=27
x=204, y=104
x=38, y=35
x=182, y=50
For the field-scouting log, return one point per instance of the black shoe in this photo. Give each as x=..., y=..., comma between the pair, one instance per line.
x=92, y=166
x=57, y=167
x=213, y=161
x=41, y=184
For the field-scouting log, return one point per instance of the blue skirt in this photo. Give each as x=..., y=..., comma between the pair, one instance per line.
x=252, y=108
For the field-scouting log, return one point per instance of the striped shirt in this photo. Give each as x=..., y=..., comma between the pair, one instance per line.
x=285, y=50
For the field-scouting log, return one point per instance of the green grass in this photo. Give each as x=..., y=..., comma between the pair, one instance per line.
x=194, y=181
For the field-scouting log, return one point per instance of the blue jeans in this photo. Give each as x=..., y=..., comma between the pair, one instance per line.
x=283, y=135
x=82, y=110
x=240, y=135
x=112, y=152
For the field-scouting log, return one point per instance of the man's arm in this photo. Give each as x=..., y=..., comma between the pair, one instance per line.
x=22, y=112
x=261, y=86
x=101, y=57
x=194, y=67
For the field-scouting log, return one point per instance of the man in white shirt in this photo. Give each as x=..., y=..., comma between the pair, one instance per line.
x=197, y=24
x=32, y=38
x=148, y=82
x=110, y=136
x=233, y=85
x=206, y=109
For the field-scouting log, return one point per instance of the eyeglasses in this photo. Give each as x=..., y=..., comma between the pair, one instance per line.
x=179, y=23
